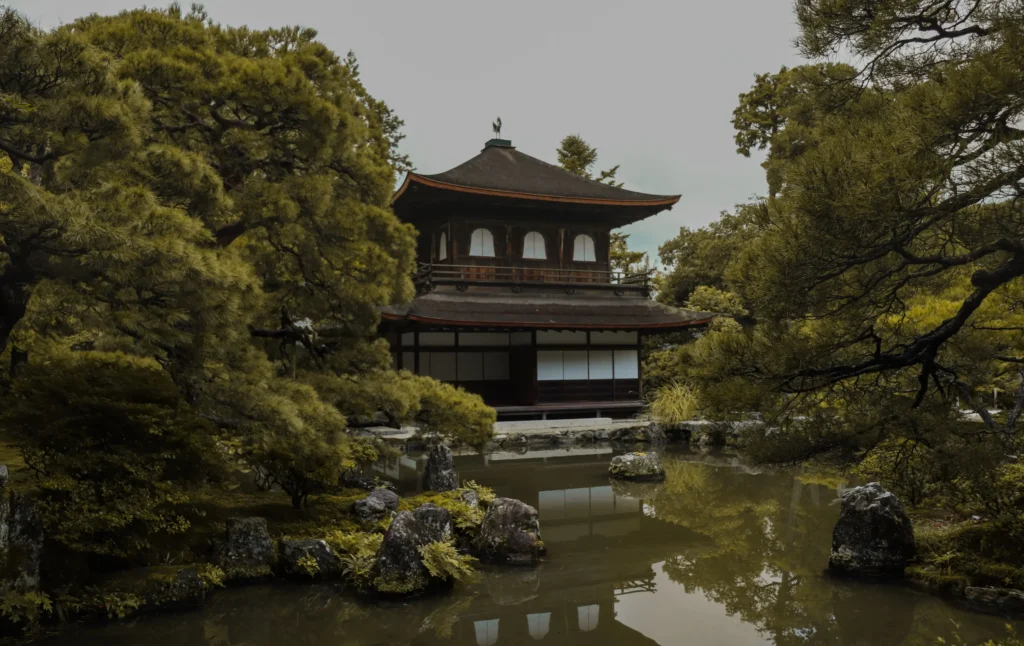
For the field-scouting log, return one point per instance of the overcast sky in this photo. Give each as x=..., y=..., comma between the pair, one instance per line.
x=651, y=84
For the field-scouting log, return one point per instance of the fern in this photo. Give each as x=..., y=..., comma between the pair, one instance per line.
x=486, y=495
x=445, y=562
x=25, y=608
x=309, y=565
x=358, y=554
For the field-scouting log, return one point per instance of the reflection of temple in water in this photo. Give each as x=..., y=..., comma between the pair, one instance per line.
x=590, y=529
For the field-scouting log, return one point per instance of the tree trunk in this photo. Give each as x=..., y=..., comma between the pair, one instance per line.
x=13, y=303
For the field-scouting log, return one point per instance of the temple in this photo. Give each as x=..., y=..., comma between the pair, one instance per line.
x=516, y=298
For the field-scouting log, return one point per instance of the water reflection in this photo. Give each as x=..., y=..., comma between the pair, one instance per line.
x=718, y=554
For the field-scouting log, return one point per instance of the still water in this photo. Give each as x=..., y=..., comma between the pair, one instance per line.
x=720, y=554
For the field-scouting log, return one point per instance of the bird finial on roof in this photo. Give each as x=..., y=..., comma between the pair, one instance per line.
x=496, y=126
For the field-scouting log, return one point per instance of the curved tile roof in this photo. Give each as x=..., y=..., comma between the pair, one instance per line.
x=502, y=170
x=544, y=311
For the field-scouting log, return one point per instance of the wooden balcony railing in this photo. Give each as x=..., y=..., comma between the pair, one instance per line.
x=463, y=275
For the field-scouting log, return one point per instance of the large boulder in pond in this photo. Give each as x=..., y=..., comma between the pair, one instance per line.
x=440, y=474
x=374, y=508
x=637, y=466
x=309, y=559
x=873, y=536
x=21, y=543
x=399, y=569
x=510, y=533
x=248, y=552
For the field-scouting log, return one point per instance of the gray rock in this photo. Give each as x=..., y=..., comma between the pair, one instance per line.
x=637, y=466
x=471, y=498
x=602, y=435
x=185, y=589
x=399, y=569
x=309, y=559
x=1001, y=600
x=21, y=543
x=377, y=506
x=440, y=472
x=4, y=476
x=642, y=432
x=510, y=533
x=873, y=536
x=248, y=552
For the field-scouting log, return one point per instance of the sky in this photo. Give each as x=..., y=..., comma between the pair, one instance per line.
x=650, y=83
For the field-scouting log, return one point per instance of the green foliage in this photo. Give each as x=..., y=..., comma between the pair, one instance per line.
x=308, y=564
x=673, y=404
x=703, y=257
x=112, y=448
x=26, y=609
x=578, y=157
x=453, y=414
x=484, y=494
x=118, y=605
x=215, y=199
x=622, y=260
x=211, y=575
x=444, y=561
x=710, y=299
x=884, y=272
x=358, y=553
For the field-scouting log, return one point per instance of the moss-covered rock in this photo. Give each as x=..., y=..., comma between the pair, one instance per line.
x=132, y=591
x=309, y=560
x=637, y=466
x=510, y=533
x=400, y=569
x=377, y=506
x=248, y=552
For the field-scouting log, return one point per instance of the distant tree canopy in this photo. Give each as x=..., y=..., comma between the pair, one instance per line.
x=214, y=201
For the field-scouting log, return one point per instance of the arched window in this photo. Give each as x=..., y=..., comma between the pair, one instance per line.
x=533, y=246
x=481, y=243
x=583, y=249
x=442, y=253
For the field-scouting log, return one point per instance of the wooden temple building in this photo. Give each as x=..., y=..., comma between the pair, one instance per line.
x=516, y=299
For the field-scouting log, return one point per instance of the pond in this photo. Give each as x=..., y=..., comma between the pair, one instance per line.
x=718, y=554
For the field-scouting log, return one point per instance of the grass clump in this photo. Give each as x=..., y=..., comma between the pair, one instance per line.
x=674, y=403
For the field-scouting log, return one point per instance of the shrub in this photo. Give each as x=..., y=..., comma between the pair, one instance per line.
x=298, y=442
x=112, y=448
x=25, y=609
x=358, y=553
x=454, y=414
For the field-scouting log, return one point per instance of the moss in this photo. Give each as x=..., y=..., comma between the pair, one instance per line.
x=950, y=585
x=19, y=477
x=242, y=574
x=954, y=555
x=408, y=585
